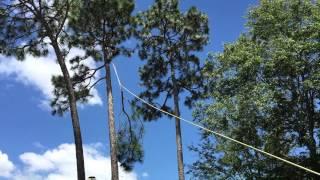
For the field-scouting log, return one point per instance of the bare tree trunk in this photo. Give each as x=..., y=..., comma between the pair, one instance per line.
x=112, y=129
x=74, y=112
x=178, y=128
x=178, y=138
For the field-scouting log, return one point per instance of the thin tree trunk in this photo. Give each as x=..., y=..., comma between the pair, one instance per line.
x=178, y=138
x=312, y=145
x=112, y=129
x=178, y=128
x=71, y=94
x=74, y=112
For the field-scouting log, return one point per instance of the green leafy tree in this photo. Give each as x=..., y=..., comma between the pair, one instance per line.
x=168, y=40
x=265, y=92
x=32, y=27
x=100, y=27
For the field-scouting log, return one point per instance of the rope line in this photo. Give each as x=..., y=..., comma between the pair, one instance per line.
x=211, y=131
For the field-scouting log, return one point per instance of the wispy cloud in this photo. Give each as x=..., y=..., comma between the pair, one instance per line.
x=38, y=145
x=145, y=175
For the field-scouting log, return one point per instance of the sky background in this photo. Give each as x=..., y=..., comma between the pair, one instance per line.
x=33, y=143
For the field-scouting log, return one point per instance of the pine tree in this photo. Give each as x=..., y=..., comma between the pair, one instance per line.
x=100, y=27
x=265, y=92
x=168, y=41
x=31, y=27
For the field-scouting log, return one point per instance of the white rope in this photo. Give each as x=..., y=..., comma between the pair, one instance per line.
x=206, y=129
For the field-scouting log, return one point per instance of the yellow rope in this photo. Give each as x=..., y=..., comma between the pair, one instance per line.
x=206, y=129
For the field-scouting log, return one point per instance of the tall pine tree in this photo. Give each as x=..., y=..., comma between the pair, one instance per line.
x=100, y=28
x=33, y=26
x=168, y=40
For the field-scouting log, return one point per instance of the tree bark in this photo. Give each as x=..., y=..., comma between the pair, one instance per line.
x=312, y=145
x=178, y=128
x=112, y=129
x=73, y=112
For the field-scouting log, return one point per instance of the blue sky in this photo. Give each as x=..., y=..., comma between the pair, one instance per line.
x=28, y=126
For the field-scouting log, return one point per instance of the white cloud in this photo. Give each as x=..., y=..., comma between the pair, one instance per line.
x=37, y=72
x=59, y=163
x=6, y=166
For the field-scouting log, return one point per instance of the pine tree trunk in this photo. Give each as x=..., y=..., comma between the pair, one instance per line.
x=73, y=112
x=112, y=129
x=178, y=128
x=178, y=138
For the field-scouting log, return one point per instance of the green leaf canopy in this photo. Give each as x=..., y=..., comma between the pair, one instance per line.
x=265, y=92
